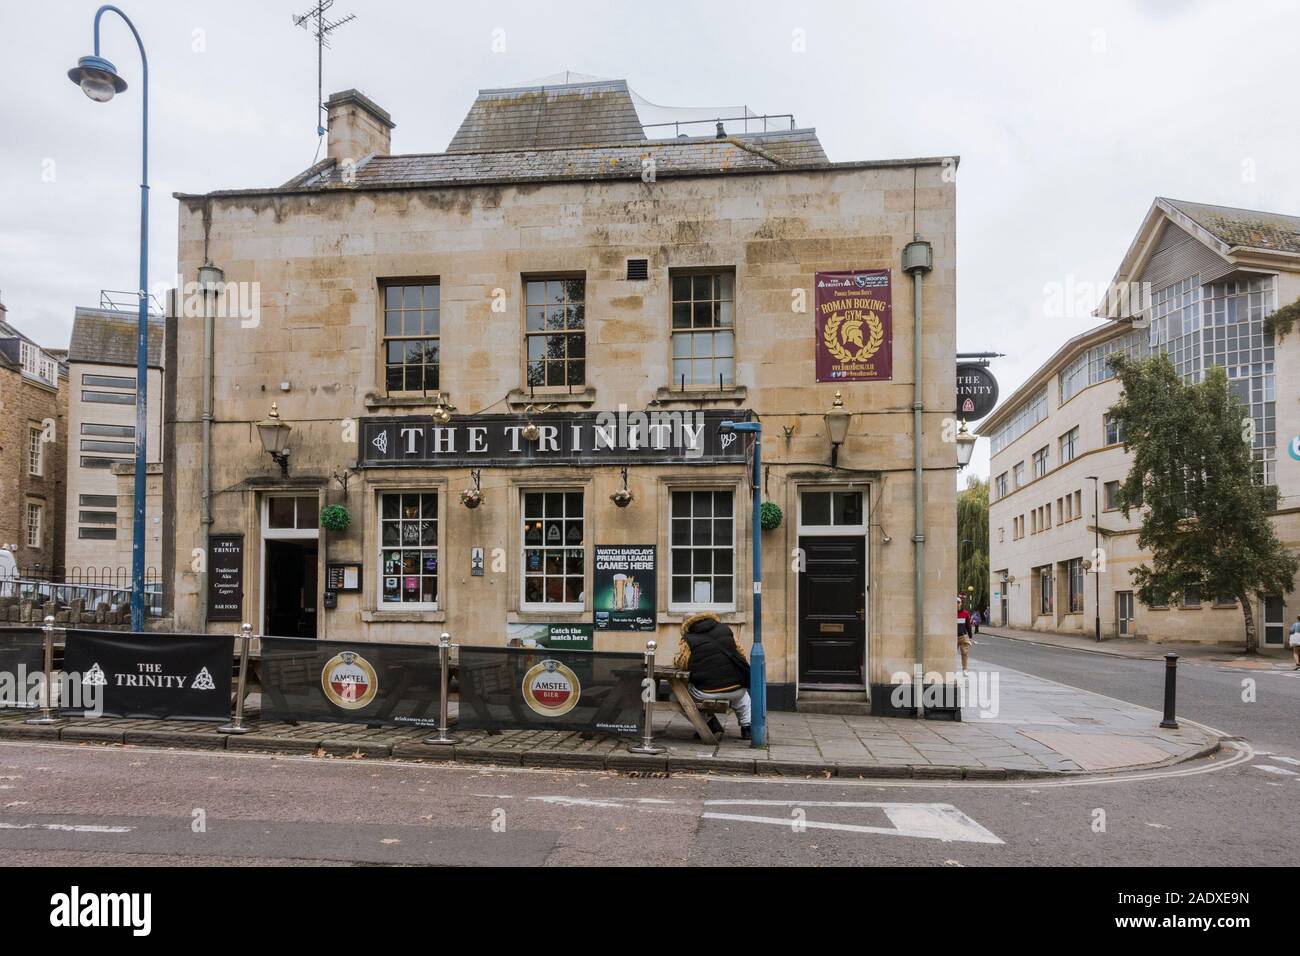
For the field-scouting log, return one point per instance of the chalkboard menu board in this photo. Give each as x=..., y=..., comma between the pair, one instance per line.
x=226, y=577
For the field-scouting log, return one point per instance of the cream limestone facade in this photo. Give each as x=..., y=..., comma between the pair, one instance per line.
x=325, y=258
x=1045, y=530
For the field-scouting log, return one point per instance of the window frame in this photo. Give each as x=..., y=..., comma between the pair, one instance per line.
x=380, y=603
x=1076, y=586
x=1042, y=457
x=1069, y=442
x=35, y=451
x=715, y=273
x=544, y=332
x=544, y=606
x=692, y=606
x=405, y=282
x=34, y=531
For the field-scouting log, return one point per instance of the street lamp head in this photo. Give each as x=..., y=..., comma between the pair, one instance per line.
x=965, y=445
x=97, y=78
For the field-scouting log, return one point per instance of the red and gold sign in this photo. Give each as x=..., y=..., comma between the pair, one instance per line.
x=551, y=689
x=855, y=326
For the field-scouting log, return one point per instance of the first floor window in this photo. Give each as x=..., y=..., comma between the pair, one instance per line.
x=703, y=538
x=1112, y=495
x=1074, y=573
x=1070, y=444
x=408, y=529
x=555, y=331
x=412, y=325
x=35, y=451
x=554, y=545
x=1040, y=462
x=1114, y=430
x=34, y=513
x=704, y=328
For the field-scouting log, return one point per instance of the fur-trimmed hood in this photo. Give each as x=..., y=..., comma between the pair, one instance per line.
x=693, y=619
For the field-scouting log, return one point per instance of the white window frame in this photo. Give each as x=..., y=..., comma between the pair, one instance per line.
x=34, y=527
x=690, y=607
x=552, y=607
x=35, y=451
x=380, y=603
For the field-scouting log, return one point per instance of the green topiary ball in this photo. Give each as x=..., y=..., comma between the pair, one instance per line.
x=769, y=516
x=335, y=518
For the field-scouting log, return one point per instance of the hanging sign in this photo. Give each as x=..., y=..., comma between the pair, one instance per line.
x=977, y=392
x=854, y=326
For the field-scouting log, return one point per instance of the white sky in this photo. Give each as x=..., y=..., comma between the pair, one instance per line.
x=1069, y=119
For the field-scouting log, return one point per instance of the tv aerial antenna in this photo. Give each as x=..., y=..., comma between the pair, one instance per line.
x=320, y=26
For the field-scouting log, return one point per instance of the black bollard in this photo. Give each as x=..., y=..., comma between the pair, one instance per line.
x=1171, y=688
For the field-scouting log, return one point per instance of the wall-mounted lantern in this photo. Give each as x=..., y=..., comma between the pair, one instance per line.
x=965, y=445
x=837, y=427
x=275, y=438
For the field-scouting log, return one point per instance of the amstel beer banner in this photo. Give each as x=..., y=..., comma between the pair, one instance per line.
x=22, y=667
x=855, y=326
x=349, y=681
x=544, y=688
x=183, y=676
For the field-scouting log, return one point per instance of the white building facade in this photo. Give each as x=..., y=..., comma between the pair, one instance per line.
x=1199, y=282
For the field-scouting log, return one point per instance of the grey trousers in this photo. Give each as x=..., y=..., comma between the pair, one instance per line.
x=738, y=699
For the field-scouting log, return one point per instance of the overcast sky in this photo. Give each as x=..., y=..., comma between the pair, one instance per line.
x=1069, y=119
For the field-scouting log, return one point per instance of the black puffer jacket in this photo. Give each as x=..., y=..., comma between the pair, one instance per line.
x=704, y=652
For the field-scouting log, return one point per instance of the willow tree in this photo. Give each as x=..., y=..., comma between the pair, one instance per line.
x=973, y=541
x=1204, y=515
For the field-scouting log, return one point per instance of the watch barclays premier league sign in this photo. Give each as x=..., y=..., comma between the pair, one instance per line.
x=576, y=438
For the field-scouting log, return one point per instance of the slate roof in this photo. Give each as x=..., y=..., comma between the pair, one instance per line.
x=574, y=114
x=106, y=337
x=1244, y=227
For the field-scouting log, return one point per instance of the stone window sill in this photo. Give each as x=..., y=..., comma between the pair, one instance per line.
x=559, y=397
x=548, y=617
x=404, y=617
x=374, y=400
x=736, y=394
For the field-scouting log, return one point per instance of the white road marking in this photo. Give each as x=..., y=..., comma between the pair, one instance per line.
x=1291, y=760
x=66, y=827
x=926, y=821
x=1278, y=770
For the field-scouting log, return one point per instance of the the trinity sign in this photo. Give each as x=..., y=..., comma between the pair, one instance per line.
x=575, y=438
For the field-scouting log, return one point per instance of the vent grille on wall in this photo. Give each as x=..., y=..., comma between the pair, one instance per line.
x=638, y=270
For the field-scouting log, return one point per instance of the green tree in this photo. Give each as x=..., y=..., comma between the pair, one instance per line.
x=1205, y=518
x=973, y=541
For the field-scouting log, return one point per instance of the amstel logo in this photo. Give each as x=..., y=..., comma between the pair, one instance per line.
x=551, y=689
x=349, y=681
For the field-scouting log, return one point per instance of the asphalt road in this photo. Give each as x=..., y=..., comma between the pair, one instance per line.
x=93, y=805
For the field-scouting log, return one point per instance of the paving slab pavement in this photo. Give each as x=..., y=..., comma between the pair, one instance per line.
x=1013, y=725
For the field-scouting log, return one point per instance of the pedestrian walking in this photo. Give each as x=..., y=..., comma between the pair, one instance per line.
x=975, y=621
x=1295, y=642
x=963, y=634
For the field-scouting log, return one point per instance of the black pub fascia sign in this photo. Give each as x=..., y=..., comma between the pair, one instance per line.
x=568, y=438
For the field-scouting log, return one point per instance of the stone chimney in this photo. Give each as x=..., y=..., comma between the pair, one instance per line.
x=357, y=127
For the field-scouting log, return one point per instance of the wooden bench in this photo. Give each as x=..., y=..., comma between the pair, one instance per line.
x=679, y=697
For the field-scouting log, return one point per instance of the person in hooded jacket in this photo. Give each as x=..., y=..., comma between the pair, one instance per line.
x=718, y=665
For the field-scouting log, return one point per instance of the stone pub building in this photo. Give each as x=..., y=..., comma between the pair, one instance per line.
x=482, y=354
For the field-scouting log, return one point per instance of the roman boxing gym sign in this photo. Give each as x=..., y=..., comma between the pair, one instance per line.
x=573, y=438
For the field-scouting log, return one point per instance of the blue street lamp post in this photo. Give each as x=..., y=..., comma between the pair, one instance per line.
x=757, y=658
x=99, y=80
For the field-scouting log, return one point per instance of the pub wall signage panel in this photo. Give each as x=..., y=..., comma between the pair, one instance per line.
x=572, y=438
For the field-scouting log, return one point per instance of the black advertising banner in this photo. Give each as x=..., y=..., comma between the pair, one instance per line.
x=854, y=325
x=548, y=689
x=22, y=667
x=624, y=580
x=182, y=676
x=358, y=682
x=226, y=577
x=977, y=392
x=564, y=438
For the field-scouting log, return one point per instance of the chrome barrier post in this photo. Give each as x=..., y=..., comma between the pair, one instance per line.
x=649, y=690
x=237, y=725
x=47, y=711
x=444, y=666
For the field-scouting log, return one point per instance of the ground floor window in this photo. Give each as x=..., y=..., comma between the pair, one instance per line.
x=35, y=512
x=1045, y=590
x=1074, y=574
x=408, y=529
x=554, y=549
x=703, y=541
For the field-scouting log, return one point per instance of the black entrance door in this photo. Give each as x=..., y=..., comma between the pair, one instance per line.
x=832, y=612
x=291, y=588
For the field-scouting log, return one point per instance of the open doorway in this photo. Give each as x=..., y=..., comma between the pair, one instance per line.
x=290, y=552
